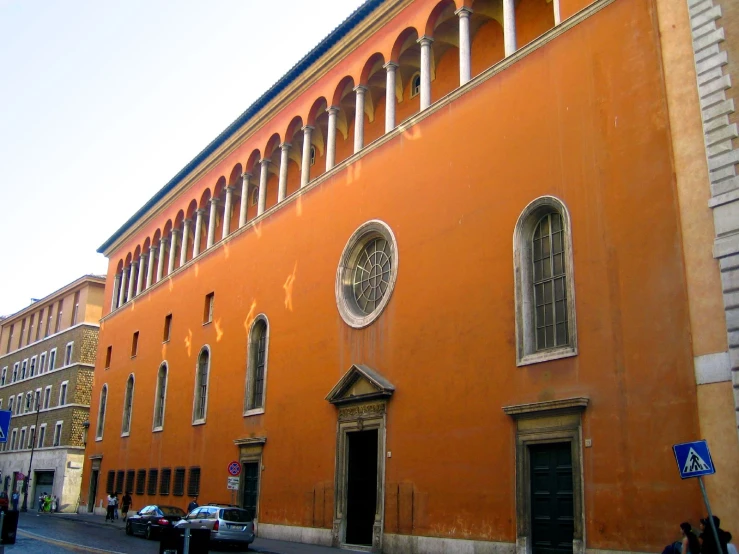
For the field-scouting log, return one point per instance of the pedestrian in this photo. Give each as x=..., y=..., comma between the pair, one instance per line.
x=730, y=545
x=689, y=544
x=126, y=504
x=14, y=500
x=115, y=509
x=708, y=541
x=54, y=504
x=193, y=504
x=41, y=502
x=47, y=503
x=110, y=511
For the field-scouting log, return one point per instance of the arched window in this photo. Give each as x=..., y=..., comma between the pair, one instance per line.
x=101, y=413
x=312, y=155
x=127, y=406
x=256, y=370
x=255, y=196
x=544, y=289
x=200, y=406
x=161, y=396
x=415, y=85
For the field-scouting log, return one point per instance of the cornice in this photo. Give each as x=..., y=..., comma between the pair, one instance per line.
x=92, y=279
x=315, y=73
x=400, y=129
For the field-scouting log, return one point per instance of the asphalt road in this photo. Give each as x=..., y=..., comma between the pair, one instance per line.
x=52, y=534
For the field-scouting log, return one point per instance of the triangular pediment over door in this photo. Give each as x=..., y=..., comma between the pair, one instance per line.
x=360, y=383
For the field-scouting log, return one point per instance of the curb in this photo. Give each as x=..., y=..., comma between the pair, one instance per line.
x=90, y=521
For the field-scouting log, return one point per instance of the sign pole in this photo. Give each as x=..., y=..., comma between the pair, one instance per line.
x=710, y=514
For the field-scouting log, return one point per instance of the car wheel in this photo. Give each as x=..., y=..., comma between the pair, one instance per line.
x=129, y=529
x=149, y=532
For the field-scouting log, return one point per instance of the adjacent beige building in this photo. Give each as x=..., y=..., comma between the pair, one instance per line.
x=47, y=356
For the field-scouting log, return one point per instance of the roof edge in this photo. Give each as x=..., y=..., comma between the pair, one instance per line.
x=354, y=19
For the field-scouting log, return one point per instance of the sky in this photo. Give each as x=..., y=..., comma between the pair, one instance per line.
x=103, y=102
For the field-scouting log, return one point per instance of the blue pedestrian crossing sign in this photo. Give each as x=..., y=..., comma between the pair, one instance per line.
x=693, y=459
x=4, y=424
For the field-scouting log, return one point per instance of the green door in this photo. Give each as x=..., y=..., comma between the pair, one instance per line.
x=251, y=488
x=552, y=521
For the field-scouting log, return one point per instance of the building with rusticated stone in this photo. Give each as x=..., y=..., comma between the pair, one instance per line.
x=47, y=357
x=452, y=284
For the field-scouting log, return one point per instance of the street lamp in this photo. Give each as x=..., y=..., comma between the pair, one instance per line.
x=24, y=506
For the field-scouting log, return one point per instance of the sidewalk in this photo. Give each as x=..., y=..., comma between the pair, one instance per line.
x=265, y=546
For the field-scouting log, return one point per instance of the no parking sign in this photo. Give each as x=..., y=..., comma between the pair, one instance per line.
x=234, y=468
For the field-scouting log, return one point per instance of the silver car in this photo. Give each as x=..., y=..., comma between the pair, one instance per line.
x=227, y=524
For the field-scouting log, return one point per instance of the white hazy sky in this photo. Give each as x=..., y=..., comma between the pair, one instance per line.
x=103, y=102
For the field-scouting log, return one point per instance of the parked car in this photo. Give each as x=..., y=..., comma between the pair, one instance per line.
x=227, y=524
x=150, y=520
x=4, y=502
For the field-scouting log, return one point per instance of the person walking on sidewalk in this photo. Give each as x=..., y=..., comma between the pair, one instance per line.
x=126, y=501
x=14, y=500
x=110, y=512
x=192, y=505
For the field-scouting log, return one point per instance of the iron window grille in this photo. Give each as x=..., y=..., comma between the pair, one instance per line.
x=179, y=481
x=165, y=481
x=140, y=481
x=130, y=475
x=193, y=482
x=151, y=488
x=120, y=476
x=110, y=482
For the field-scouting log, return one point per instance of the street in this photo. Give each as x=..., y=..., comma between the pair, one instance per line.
x=64, y=533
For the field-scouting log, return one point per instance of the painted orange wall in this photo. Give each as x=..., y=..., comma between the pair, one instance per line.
x=567, y=120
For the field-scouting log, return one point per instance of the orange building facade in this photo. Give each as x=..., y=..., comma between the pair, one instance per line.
x=432, y=291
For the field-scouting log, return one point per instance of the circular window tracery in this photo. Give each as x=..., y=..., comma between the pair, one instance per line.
x=366, y=274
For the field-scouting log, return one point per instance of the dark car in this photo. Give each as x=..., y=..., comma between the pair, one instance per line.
x=3, y=501
x=150, y=520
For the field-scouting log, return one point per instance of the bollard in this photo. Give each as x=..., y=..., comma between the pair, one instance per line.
x=186, y=545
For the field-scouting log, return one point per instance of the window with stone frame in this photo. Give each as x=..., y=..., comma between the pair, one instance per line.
x=16, y=368
x=63, y=393
x=68, y=353
x=101, y=413
x=41, y=435
x=200, y=406
x=544, y=284
x=127, y=406
x=22, y=442
x=47, y=397
x=24, y=368
x=42, y=362
x=33, y=366
x=256, y=369
x=52, y=359
x=58, y=433
x=4, y=376
x=415, y=85
x=161, y=397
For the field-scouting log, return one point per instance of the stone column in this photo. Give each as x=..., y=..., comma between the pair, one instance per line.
x=172, y=251
x=124, y=284
x=150, y=267
x=244, y=198
x=140, y=280
x=390, y=68
x=185, y=239
x=509, y=27
x=465, y=67
x=557, y=15
x=160, y=262
x=198, y=232
x=333, y=113
x=360, y=91
x=425, y=43
x=131, y=281
x=227, y=212
x=263, y=176
x=305, y=166
x=284, y=160
x=116, y=290
x=212, y=222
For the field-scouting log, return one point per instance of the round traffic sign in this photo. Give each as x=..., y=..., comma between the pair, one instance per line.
x=234, y=468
